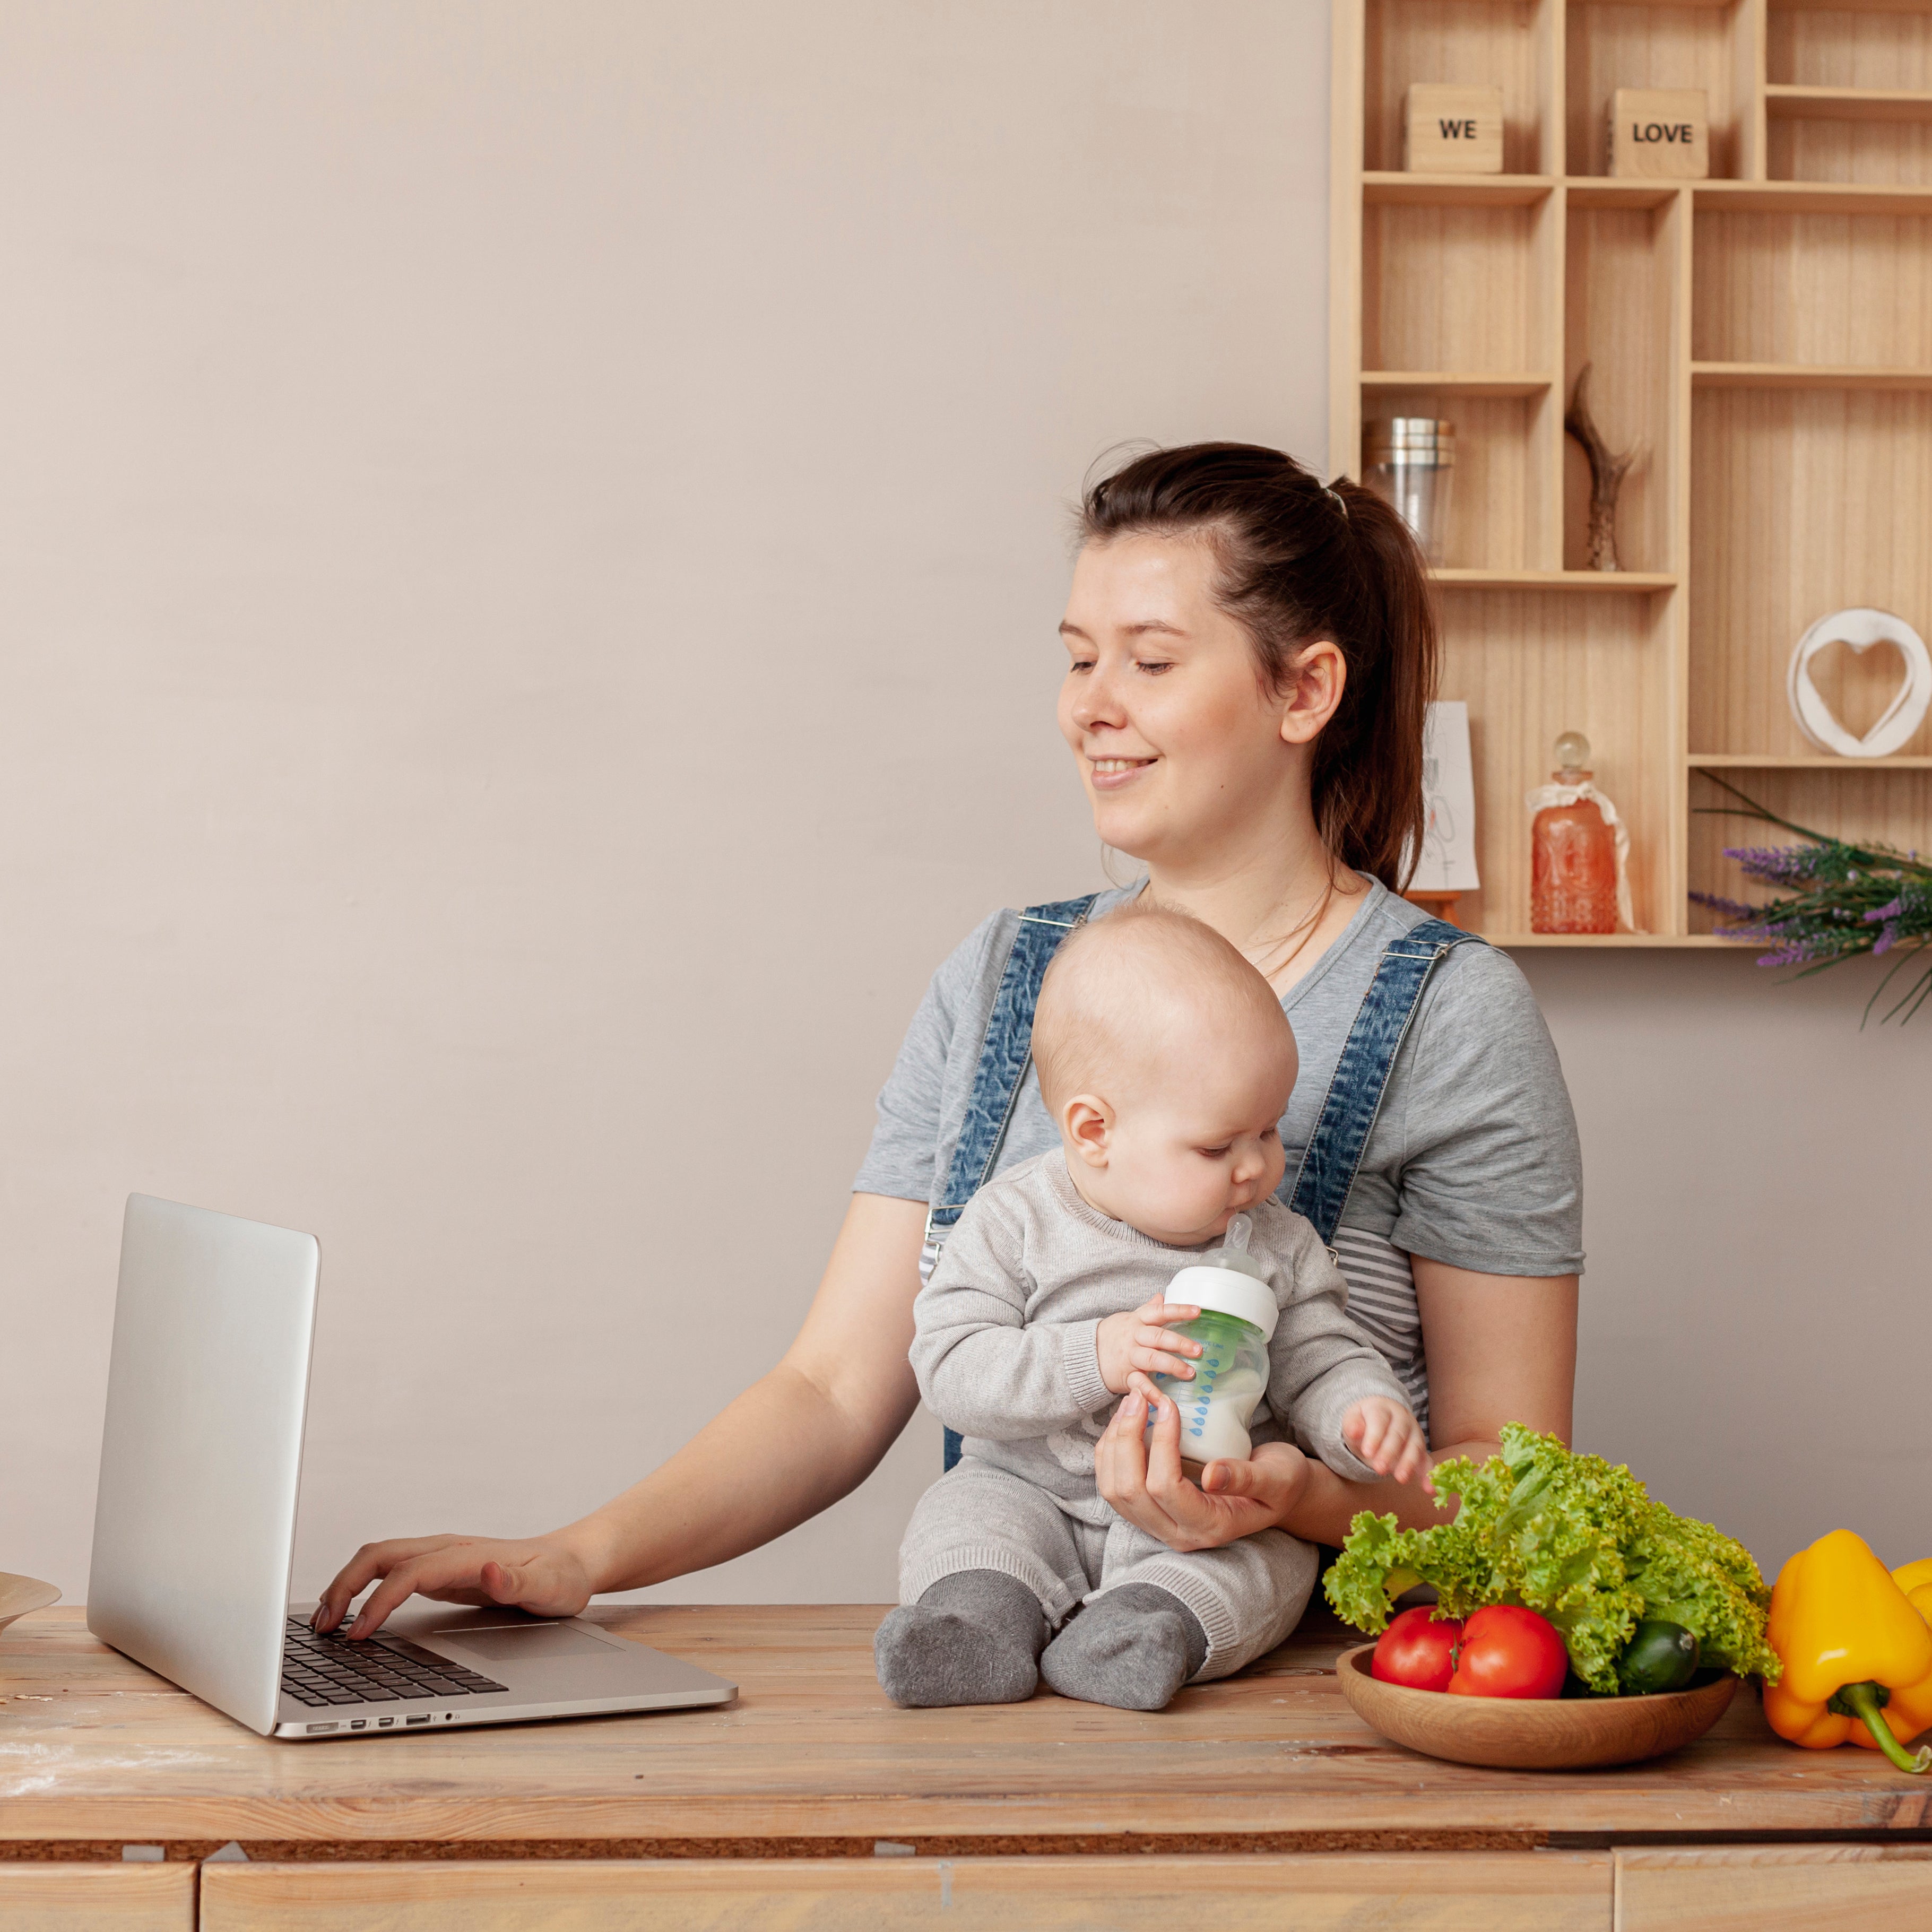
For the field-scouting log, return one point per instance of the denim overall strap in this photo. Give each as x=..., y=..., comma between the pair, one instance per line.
x=1361, y=1077
x=1003, y=1054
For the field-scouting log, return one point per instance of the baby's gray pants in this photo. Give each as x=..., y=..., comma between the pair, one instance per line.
x=1248, y=1594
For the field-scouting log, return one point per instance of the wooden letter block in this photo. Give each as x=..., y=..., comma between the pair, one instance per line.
x=1452, y=131
x=1660, y=132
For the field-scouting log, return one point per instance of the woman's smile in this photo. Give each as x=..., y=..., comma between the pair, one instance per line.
x=1110, y=774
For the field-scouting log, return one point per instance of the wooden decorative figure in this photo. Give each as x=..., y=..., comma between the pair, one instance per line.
x=1452, y=130
x=1660, y=133
x=1606, y=474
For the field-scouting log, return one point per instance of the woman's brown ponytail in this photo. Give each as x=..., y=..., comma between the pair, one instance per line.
x=1300, y=560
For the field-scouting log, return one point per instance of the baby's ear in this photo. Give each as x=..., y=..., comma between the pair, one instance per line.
x=1086, y=1126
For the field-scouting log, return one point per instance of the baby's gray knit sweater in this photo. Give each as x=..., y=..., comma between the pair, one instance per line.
x=1005, y=1346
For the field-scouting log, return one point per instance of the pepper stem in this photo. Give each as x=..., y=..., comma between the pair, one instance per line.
x=1865, y=1702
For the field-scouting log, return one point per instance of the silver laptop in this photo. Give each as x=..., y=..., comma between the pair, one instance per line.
x=194, y=1528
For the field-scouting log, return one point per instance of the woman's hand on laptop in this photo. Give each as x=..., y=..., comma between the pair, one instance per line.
x=544, y=1576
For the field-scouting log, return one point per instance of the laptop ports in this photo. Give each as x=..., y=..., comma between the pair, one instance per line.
x=423, y=1719
x=359, y=1723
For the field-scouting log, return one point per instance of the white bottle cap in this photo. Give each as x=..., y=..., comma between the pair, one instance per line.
x=1227, y=1292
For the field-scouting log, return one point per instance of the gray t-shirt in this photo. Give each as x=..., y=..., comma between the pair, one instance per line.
x=1473, y=1159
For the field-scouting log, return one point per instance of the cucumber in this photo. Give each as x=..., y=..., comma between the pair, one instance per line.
x=1662, y=1656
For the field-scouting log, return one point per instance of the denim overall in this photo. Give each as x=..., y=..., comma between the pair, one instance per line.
x=1318, y=1190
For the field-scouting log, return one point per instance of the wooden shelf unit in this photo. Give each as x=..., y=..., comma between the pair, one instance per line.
x=1765, y=335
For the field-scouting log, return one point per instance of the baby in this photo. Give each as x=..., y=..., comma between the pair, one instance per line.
x=1165, y=1061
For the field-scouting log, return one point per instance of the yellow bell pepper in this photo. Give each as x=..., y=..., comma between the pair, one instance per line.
x=1852, y=1646
x=1915, y=1580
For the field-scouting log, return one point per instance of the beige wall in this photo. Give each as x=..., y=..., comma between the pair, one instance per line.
x=533, y=539
x=1759, y=1292
x=531, y=535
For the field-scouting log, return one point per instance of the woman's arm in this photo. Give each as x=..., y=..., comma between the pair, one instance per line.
x=844, y=1388
x=1500, y=1348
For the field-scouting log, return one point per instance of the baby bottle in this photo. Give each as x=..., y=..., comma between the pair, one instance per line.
x=1237, y=1316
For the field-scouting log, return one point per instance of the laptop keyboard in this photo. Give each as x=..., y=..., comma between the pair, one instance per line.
x=318, y=1670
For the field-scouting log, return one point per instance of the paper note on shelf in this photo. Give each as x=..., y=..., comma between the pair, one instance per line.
x=1447, y=862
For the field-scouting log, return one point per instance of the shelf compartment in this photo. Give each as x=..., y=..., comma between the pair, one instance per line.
x=1851, y=52
x=1608, y=45
x=1891, y=808
x=1809, y=761
x=1454, y=383
x=1847, y=103
x=1621, y=277
x=1457, y=288
x=1801, y=376
x=1814, y=145
x=1803, y=501
x=1531, y=666
x=1502, y=482
x=1475, y=43
x=1773, y=293
x=1628, y=583
x=1392, y=189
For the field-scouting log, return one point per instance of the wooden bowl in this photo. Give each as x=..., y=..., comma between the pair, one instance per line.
x=20, y=1594
x=1531, y=1733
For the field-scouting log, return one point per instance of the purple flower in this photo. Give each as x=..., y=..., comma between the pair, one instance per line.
x=1731, y=909
x=1776, y=865
x=1886, y=918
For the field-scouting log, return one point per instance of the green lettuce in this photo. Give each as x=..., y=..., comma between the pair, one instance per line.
x=1574, y=1538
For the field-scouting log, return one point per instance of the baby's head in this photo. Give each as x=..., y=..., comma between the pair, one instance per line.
x=1166, y=1061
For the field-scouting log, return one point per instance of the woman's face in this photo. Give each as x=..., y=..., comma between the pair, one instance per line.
x=1180, y=746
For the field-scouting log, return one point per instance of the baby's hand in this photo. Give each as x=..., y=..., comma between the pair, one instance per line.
x=1139, y=1340
x=1386, y=1437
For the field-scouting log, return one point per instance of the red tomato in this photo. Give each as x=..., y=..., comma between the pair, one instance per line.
x=1509, y=1651
x=1418, y=1649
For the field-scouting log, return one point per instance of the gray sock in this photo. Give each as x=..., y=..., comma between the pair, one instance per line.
x=1133, y=1649
x=974, y=1638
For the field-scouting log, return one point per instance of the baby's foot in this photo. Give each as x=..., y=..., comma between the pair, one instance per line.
x=1133, y=1649
x=974, y=1638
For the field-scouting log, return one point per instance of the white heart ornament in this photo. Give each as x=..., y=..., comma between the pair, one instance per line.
x=1861, y=628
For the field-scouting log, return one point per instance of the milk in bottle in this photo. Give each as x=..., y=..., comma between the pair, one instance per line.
x=1237, y=1316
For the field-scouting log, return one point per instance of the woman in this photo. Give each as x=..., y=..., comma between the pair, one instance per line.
x=1250, y=656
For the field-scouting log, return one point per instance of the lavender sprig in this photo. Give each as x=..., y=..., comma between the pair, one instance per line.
x=1842, y=900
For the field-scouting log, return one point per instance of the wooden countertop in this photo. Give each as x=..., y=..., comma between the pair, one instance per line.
x=94, y=1748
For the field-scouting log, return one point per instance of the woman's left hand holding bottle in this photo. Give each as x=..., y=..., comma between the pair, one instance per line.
x=1139, y=1473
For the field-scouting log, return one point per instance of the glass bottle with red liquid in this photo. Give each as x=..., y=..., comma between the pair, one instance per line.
x=1572, y=854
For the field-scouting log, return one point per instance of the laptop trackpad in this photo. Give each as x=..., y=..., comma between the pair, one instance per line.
x=509, y=1643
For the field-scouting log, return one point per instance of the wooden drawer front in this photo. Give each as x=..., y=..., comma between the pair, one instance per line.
x=1421, y=1892
x=82, y=1897
x=1823, y=1887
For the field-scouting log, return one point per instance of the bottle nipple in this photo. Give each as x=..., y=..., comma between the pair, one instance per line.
x=1572, y=758
x=1233, y=1254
